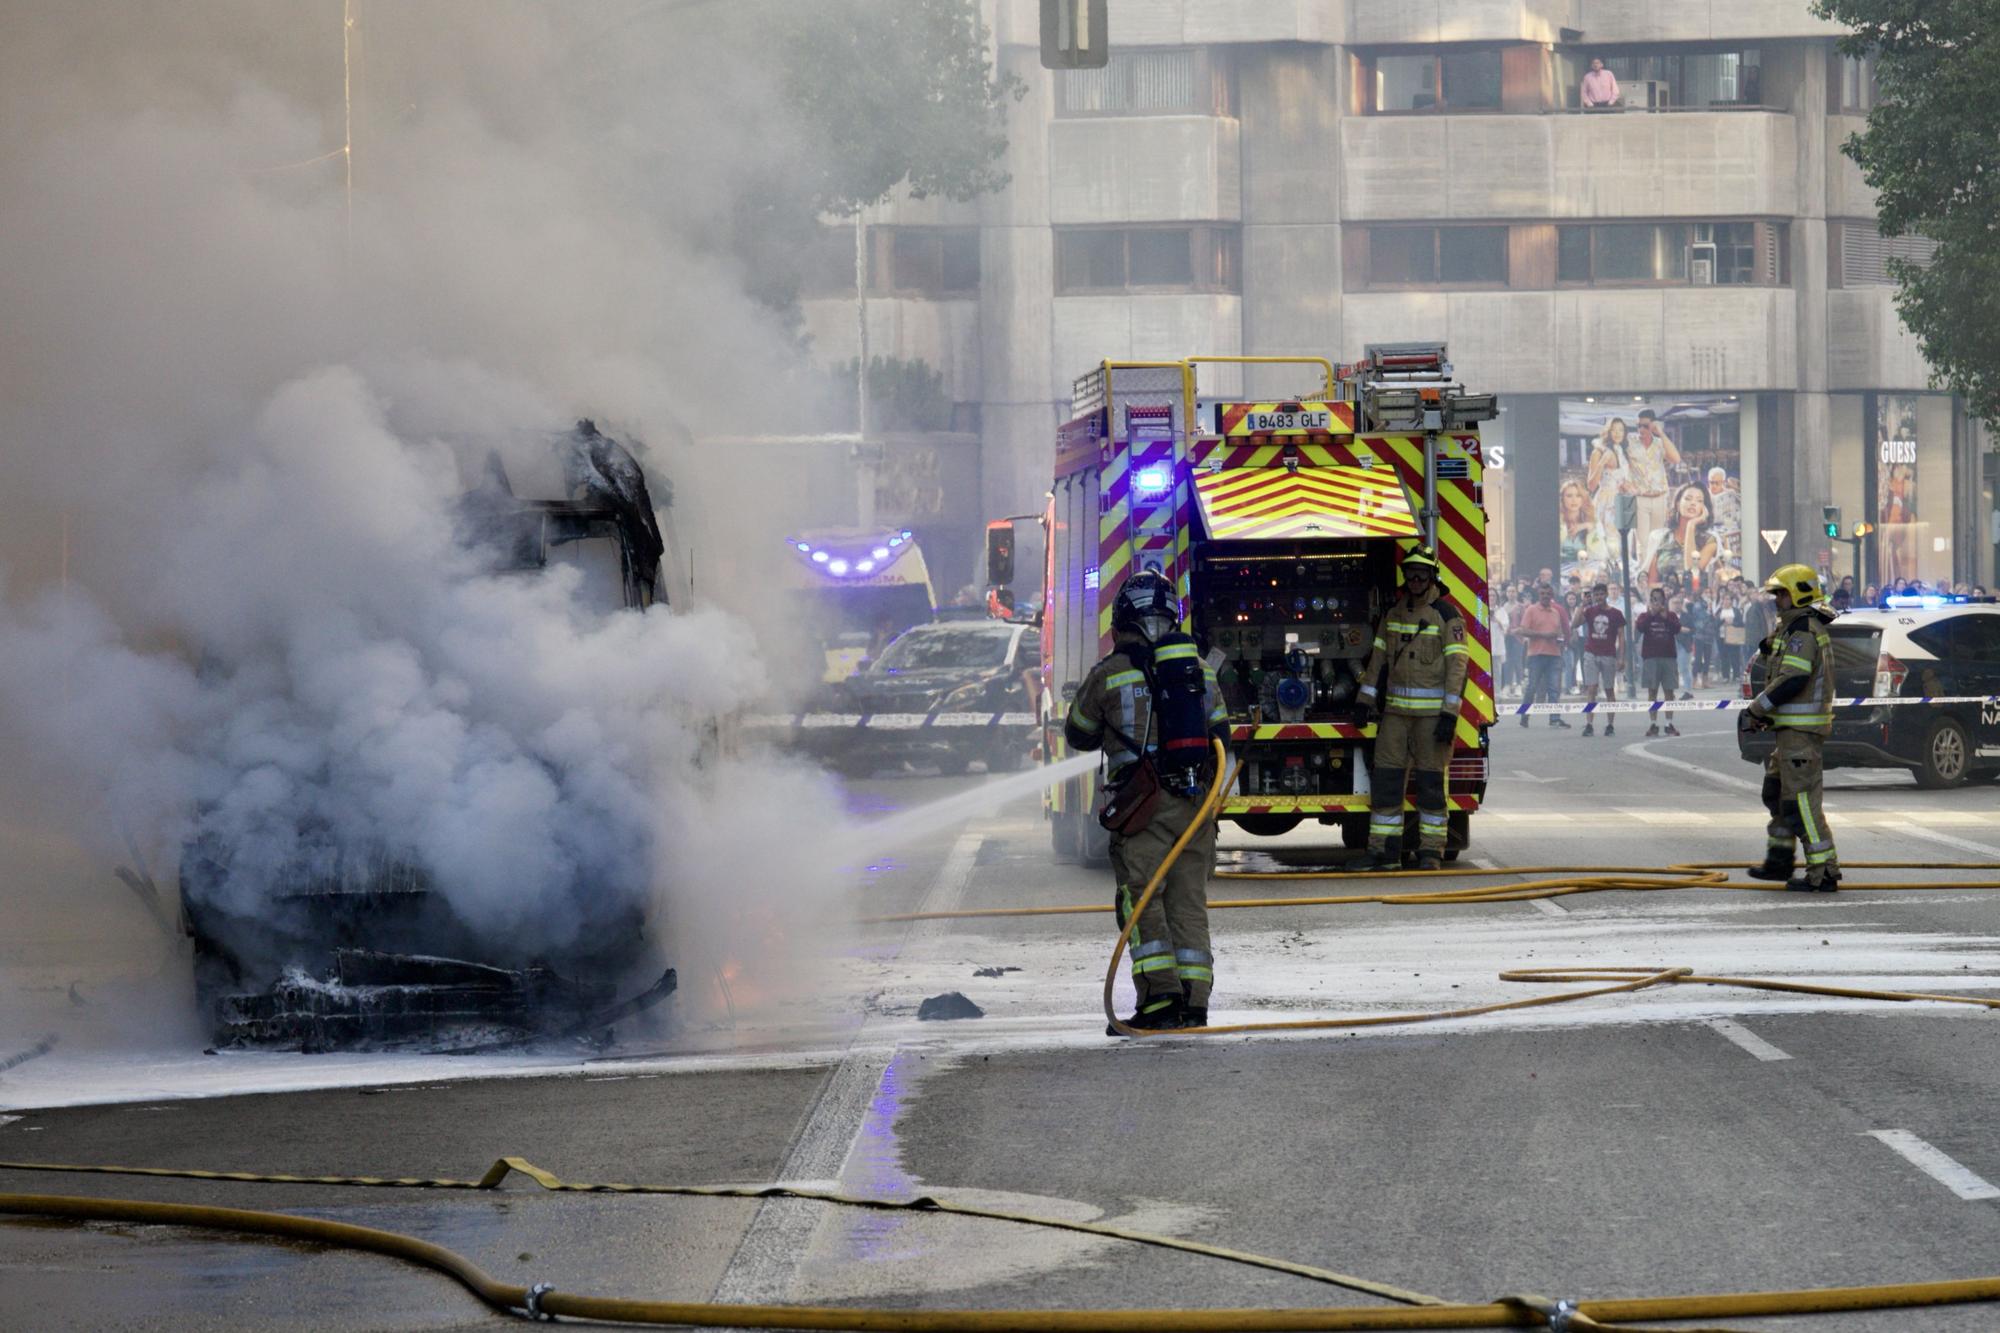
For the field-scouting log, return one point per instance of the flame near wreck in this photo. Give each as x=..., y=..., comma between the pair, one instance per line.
x=357, y=696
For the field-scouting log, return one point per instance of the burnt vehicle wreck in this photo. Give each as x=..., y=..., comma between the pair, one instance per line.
x=342, y=945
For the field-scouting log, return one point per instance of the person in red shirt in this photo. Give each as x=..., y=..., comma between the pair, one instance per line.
x=1602, y=629
x=1543, y=627
x=1657, y=629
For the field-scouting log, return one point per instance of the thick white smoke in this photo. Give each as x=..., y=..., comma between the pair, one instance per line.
x=234, y=403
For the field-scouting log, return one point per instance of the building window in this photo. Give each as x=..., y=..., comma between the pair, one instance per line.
x=1150, y=83
x=1655, y=254
x=1460, y=80
x=1858, y=93
x=1728, y=78
x=1143, y=259
x=1865, y=253
x=1437, y=256
x=826, y=264
x=924, y=261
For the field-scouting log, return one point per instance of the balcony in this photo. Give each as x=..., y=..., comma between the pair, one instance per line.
x=1683, y=338
x=1188, y=22
x=1148, y=327
x=1610, y=21
x=1601, y=165
x=1386, y=22
x=1867, y=346
x=1144, y=169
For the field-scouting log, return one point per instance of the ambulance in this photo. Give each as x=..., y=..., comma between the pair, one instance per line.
x=1282, y=523
x=854, y=590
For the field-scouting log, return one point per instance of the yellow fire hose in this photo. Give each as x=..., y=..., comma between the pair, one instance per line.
x=1520, y=1311
x=1418, y=1311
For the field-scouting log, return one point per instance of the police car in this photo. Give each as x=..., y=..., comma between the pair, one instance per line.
x=963, y=671
x=1913, y=647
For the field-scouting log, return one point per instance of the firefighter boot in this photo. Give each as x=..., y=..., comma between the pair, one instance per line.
x=1429, y=860
x=1828, y=882
x=1777, y=866
x=1155, y=1014
x=1194, y=1016
x=1372, y=861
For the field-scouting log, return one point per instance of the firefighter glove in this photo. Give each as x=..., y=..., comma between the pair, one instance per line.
x=1444, y=728
x=1364, y=712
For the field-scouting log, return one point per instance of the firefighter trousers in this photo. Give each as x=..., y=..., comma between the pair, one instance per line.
x=1170, y=954
x=1792, y=786
x=1402, y=743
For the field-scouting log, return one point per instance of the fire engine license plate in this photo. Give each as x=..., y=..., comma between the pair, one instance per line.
x=1263, y=421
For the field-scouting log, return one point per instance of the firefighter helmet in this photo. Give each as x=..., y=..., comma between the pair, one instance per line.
x=1420, y=558
x=1147, y=606
x=1798, y=584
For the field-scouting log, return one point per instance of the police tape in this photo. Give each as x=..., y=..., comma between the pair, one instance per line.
x=1729, y=705
x=883, y=721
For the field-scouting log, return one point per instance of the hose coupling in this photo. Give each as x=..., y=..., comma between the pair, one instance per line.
x=534, y=1302
x=1561, y=1316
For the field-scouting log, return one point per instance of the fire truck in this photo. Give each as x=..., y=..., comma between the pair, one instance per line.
x=1282, y=523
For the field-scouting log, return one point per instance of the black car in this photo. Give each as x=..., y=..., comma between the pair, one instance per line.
x=931, y=696
x=1931, y=648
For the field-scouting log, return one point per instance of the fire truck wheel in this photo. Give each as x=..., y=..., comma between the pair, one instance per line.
x=1062, y=839
x=1267, y=826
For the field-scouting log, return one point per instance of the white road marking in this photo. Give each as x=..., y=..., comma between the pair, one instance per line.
x=1548, y=907
x=767, y=1258
x=1960, y=1180
x=1747, y=1039
x=1525, y=776
x=6, y=1120
x=1963, y=844
x=1744, y=784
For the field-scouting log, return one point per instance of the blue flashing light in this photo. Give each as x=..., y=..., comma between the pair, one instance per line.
x=820, y=557
x=866, y=566
x=879, y=553
x=895, y=541
x=802, y=546
x=1152, y=482
x=1923, y=601
x=838, y=566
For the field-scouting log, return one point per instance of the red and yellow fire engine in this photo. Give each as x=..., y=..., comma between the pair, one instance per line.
x=1282, y=523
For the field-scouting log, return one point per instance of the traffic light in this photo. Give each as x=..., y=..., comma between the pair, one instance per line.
x=1862, y=529
x=1831, y=513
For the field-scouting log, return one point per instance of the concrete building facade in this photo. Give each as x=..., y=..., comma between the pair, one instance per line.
x=1273, y=177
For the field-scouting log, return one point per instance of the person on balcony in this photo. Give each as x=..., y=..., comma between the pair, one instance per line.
x=1600, y=86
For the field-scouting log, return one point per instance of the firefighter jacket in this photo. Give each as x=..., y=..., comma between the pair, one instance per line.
x=1420, y=645
x=1798, y=674
x=1115, y=695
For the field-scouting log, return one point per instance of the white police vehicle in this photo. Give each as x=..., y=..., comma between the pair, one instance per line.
x=1912, y=647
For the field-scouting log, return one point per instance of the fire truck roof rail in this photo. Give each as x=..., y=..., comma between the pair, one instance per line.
x=1088, y=392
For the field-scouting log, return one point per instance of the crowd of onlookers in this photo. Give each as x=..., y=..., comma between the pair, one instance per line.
x=1551, y=639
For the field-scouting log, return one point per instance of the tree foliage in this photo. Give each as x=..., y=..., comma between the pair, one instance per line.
x=896, y=92
x=883, y=95
x=1931, y=151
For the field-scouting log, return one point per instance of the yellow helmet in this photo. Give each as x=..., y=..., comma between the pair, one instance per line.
x=1422, y=557
x=1797, y=584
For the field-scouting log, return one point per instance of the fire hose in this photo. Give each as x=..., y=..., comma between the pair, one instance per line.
x=1418, y=1311
x=542, y=1300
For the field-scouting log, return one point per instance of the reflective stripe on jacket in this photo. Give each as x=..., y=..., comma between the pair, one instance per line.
x=1802, y=651
x=1421, y=645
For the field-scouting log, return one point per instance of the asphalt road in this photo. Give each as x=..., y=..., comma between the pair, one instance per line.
x=1678, y=1140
